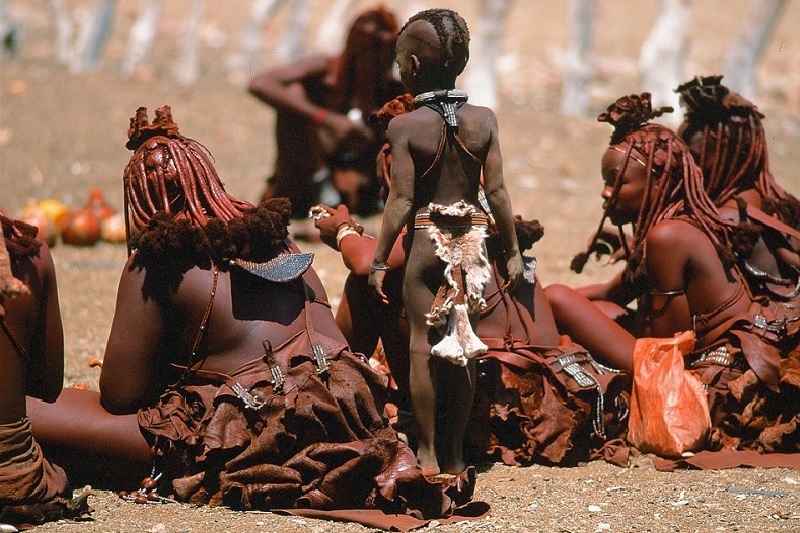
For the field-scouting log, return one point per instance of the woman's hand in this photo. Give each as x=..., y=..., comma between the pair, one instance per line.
x=332, y=221
x=337, y=133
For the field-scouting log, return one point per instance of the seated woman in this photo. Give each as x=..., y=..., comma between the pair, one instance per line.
x=324, y=147
x=32, y=489
x=683, y=275
x=224, y=370
x=527, y=406
x=726, y=137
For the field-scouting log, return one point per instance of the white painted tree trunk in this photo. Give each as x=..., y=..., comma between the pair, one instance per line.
x=188, y=68
x=260, y=12
x=82, y=35
x=10, y=30
x=95, y=28
x=64, y=30
x=663, y=55
x=335, y=24
x=485, y=48
x=577, y=64
x=143, y=34
x=292, y=45
x=757, y=25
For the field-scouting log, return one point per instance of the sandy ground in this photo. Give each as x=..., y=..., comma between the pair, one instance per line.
x=63, y=132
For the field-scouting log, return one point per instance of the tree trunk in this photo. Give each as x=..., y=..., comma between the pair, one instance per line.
x=292, y=46
x=577, y=62
x=743, y=56
x=188, y=68
x=260, y=12
x=663, y=54
x=143, y=33
x=481, y=75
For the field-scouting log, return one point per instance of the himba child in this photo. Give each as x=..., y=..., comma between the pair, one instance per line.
x=725, y=134
x=539, y=397
x=32, y=489
x=682, y=272
x=224, y=374
x=440, y=151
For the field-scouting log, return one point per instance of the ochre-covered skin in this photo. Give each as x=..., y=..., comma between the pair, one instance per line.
x=314, y=135
x=32, y=489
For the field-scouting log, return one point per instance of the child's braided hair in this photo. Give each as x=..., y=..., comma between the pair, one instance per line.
x=453, y=34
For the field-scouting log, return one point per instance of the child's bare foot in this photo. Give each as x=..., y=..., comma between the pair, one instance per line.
x=454, y=468
x=430, y=471
x=427, y=461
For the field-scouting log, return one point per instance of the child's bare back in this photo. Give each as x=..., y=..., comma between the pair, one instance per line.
x=441, y=152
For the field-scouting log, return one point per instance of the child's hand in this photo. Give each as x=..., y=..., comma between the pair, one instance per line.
x=515, y=271
x=376, y=282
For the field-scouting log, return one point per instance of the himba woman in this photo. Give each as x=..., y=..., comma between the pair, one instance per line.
x=224, y=369
x=323, y=141
x=32, y=489
x=527, y=407
x=682, y=273
x=727, y=139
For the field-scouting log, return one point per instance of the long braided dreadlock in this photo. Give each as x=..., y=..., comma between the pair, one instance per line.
x=674, y=181
x=733, y=153
x=180, y=210
x=453, y=34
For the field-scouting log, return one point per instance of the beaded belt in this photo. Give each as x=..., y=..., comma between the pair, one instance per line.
x=570, y=363
x=720, y=356
x=424, y=220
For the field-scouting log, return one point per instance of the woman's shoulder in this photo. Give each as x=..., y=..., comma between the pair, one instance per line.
x=674, y=232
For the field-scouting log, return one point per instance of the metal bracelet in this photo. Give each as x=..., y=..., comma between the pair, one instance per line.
x=378, y=266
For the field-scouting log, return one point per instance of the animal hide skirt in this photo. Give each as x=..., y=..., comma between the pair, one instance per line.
x=28, y=481
x=458, y=232
x=279, y=433
x=547, y=404
x=750, y=367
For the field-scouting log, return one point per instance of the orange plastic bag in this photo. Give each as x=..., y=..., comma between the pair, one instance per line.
x=669, y=409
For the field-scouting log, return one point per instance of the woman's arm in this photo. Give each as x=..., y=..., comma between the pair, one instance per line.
x=339, y=231
x=130, y=365
x=46, y=372
x=667, y=251
x=282, y=87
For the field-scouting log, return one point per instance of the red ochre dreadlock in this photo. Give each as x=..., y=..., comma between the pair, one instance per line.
x=733, y=155
x=674, y=181
x=169, y=172
x=361, y=72
x=180, y=209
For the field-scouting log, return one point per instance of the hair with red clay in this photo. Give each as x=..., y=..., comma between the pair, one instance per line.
x=674, y=181
x=181, y=211
x=733, y=154
x=453, y=34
